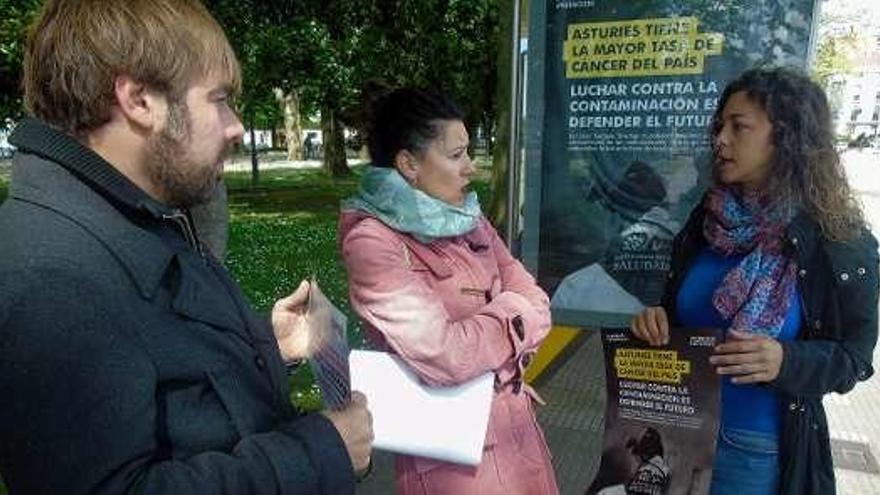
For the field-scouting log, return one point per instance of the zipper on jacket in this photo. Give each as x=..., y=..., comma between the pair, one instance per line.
x=182, y=221
x=800, y=284
x=797, y=404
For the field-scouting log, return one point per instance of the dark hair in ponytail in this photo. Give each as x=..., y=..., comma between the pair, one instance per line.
x=406, y=119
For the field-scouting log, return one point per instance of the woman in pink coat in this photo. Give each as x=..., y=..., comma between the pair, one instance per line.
x=433, y=283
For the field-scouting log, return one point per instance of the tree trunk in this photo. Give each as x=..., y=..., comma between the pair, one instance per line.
x=289, y=103
x=498, y=208
x=255, y=164
x=335, y=163
x=489, y=135
x=472, y=124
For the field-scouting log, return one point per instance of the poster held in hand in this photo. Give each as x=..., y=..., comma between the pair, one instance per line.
x=328, y=349
x=662, y=414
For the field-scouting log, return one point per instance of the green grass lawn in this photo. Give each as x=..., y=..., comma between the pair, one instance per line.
x=4, y=183
x=283, y=231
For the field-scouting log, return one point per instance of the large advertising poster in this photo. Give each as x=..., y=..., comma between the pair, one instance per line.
x=619, y=104
x=661, y=417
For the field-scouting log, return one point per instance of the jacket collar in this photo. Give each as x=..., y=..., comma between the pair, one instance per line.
x=35, y=137
x=54, y=170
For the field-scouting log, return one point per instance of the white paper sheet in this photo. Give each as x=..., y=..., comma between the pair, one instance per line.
x=410, y=418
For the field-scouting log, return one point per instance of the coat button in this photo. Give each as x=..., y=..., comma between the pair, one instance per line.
x=802, y=273
x=817, y=324
x=844, y=276
x=794, y=240
x=861, y=271
x=261, y=364
x=792, y=406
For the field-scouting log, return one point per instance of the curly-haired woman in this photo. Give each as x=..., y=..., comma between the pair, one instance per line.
x=778, y=255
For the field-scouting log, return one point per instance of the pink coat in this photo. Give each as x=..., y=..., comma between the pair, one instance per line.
x=452, y=310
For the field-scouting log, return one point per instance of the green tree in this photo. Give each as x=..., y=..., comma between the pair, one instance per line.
x=250, y=40
x=845, y=28
x=324, y=51
x=503, y=95
x=838, y=56
x=448, y=45
x=290, y=47
x=17, y=15
x=838, y=40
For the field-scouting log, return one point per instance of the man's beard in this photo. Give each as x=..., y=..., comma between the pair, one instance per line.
x=183, y=182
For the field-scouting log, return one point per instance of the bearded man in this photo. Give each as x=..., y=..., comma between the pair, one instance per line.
x=130, y=361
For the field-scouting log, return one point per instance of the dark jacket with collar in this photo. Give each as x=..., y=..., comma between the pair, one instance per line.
x=130, y=362
x=838, y=285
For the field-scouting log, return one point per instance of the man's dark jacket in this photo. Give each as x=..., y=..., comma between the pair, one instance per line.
x=838, y=286
x=129, y=361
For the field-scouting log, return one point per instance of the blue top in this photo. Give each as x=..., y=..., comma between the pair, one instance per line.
x=750, y=406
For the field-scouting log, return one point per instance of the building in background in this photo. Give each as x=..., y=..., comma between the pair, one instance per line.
x=848, y=65
x=263, y=138
x=857, y=115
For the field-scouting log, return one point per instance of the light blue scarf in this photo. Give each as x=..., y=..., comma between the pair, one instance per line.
x=386, y=195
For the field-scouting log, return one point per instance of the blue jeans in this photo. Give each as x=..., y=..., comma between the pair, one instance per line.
x=746, y=462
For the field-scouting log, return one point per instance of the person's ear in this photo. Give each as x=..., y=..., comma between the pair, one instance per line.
x=408, y=166
x=138, y=104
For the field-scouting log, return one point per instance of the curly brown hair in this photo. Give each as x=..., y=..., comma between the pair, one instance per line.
x=806, y=172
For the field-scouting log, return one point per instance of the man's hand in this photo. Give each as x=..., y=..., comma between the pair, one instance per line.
x=752, y=358
x=651, y=325
x=355, y=426
x=290, y=325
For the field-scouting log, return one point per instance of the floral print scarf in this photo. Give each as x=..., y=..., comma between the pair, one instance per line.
x=756, y=294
